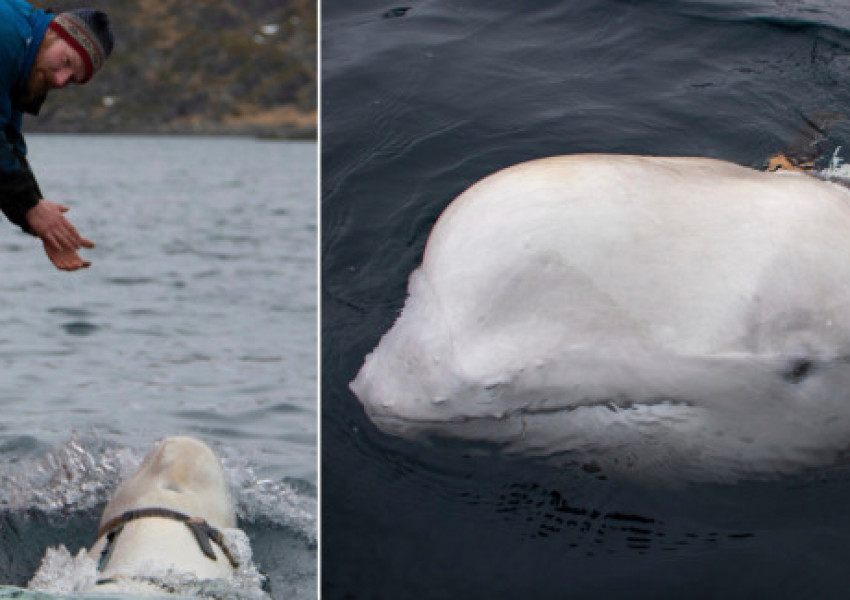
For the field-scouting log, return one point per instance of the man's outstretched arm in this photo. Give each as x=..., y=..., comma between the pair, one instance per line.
x=22, y=203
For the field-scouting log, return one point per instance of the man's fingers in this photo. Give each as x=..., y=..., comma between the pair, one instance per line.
x=75, y=265
x=67, y=244
x=60, y=241
x=67, y=238
x=64, y=260
x=76, y=239
x=55, y=205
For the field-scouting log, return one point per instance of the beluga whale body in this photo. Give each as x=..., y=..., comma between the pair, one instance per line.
x=169, y=529
x=663, y=319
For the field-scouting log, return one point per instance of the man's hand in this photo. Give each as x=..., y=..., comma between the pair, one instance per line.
x=60, y=238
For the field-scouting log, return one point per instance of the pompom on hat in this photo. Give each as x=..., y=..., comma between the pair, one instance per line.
x=88, y=32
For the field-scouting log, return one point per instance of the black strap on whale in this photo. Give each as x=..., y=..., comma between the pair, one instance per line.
x=204, y=532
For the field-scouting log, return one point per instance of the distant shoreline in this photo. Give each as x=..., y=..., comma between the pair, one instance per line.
x=293, y=133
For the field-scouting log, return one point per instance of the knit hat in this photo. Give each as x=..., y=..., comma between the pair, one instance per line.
x=88, y=32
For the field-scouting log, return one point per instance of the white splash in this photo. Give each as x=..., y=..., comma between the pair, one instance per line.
x=76, y=476
x=63, y=573
x=837, y=169
x=278, y=501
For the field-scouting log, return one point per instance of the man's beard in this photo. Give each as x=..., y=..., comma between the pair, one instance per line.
x=31, y=98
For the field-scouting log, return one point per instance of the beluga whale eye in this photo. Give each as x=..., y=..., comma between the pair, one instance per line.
x=170, y=485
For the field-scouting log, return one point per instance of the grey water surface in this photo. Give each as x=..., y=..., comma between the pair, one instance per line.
x=197, y=317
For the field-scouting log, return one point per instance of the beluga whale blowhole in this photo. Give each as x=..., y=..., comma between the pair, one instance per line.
x=660, y=319
x=170, y=529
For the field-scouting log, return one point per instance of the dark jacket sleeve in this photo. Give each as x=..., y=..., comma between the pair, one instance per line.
x=19, y=189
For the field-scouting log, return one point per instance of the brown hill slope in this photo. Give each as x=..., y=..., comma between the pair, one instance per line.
x=206, y=66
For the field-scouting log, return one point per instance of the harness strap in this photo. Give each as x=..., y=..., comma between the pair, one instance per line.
x=204, y=532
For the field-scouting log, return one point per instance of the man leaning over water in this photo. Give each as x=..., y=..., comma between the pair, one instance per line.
x=41, y=51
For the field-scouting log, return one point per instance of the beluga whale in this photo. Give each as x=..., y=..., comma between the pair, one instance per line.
x=170, y=529
x=658, y=319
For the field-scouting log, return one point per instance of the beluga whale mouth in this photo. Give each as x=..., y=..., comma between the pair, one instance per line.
x=664, y=319
x=170, y=529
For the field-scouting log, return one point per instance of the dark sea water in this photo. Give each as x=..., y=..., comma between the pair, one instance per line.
x=197, y=317
x=420, y=100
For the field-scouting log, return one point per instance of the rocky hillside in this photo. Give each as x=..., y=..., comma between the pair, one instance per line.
x=200, y=66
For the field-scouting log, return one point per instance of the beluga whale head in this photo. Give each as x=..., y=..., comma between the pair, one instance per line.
x=168, y=516
x=168, y=529
x=660, y=319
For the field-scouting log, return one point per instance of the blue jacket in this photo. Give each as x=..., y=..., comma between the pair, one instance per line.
x=22, y=28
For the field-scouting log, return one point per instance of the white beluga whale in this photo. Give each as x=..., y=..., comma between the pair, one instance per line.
x=168, y=516
x=168, y=529
x=664, y=319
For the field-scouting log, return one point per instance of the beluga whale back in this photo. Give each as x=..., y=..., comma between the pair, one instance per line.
x=658, y=318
